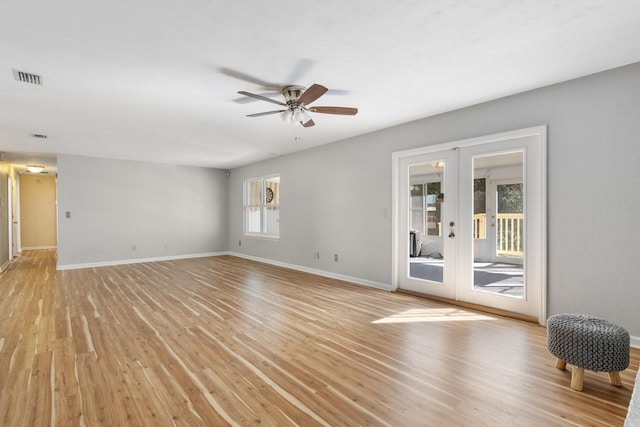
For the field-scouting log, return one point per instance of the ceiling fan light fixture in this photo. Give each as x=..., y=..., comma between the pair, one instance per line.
x=305, y=117
x=35, y=168
x=297, y=115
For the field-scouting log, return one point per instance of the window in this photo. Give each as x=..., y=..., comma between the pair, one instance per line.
x=262, y=206
x=425, y=208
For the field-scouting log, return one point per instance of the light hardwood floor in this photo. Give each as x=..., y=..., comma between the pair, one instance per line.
x=226, y=341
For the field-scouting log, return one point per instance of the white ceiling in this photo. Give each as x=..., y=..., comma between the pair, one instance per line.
x=157, y=81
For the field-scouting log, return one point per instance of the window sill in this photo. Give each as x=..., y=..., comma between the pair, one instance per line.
x=261, y=237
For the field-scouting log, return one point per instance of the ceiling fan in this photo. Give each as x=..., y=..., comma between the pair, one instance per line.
x=296, y=103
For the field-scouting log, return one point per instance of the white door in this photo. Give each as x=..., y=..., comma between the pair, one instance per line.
x=512, y=276
x=427, y=251
x=492, y=225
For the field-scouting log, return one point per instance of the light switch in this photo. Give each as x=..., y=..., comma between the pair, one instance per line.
x=67, y=214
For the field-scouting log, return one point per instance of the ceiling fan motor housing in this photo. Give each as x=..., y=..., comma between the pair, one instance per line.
x=291, y=95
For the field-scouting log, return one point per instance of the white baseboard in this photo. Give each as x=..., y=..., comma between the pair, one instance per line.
x=136, y=260
x=38, y=248
x=635, y=342
x=355, y=280
x=4, y=266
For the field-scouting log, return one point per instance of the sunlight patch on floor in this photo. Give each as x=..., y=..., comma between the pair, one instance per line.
x=416, y=315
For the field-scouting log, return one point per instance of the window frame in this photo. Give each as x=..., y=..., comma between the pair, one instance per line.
x=262, y=207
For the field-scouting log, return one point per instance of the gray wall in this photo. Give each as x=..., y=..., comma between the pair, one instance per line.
x=5, y=219
x=163, y=210
x=336, y=198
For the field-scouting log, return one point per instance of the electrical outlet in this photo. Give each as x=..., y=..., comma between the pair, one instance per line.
x=133, y=247
x=239, y=242
x=316, y=255
x=335, y=257
x=67, y=214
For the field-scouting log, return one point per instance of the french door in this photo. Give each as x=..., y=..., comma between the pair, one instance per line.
x=431, y=261
x=481, y=238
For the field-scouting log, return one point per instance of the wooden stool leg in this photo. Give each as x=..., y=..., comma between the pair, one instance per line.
x=577, y=375
x=614, y=377
x=561, y=364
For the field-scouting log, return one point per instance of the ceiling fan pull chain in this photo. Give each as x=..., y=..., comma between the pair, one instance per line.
x=297, y=136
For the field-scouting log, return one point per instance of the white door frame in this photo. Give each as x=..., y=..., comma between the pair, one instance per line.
x=540, y=132
x=16, y=220
x=10, y=215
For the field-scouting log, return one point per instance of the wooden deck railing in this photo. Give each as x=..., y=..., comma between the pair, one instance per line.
x=510, y=233
x=510, y=239
x=480, y=226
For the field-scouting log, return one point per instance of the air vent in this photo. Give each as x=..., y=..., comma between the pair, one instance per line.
x=23, y=76
x=39, y=136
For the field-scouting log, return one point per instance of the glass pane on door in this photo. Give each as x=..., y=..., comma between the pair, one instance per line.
x=426, y=260
x=498, y=224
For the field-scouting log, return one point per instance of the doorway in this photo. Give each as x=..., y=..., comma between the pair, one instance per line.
x=38, y=212
x=474, y=215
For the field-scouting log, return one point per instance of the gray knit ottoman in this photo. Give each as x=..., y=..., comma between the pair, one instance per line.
x=588, y=343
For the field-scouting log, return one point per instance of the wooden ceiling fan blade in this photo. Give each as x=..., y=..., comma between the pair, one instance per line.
x=308, y=123
x=345, y=111
x=266, y=113
x=314, y=92
x=263, y=98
